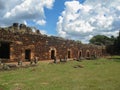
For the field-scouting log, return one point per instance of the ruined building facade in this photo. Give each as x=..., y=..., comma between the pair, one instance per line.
x=19, y=42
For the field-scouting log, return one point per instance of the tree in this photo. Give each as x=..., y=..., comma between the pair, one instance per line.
x=117, y=44
x=102, y=40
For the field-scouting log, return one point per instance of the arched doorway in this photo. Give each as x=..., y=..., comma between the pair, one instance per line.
x=80, y=54
x=69, y=54
x=88, y=53
x=52, y=54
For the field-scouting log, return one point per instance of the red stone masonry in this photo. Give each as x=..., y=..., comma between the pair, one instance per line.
x=19, y=42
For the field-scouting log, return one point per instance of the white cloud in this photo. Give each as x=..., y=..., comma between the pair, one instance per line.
x=41, y=22
x=23, y=10
x=82, y=21
x=43, y=32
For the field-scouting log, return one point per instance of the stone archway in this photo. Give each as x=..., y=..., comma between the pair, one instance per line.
x=80, y=54
x=52, y=52
x=88, y=54
x=28, y=53
x=69, y=53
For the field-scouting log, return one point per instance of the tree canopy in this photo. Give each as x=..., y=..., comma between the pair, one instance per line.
x=102, y=40
x=117, y=44
x=112, y=43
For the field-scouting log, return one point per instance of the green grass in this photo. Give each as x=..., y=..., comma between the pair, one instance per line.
x=102, y=74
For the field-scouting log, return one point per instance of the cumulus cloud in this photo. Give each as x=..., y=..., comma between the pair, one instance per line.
x=23, y=10
x=83, y=21
x=41, y=22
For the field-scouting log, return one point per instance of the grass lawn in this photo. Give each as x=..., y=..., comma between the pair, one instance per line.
x=102, y=74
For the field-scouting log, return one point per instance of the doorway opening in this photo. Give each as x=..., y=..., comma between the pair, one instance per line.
x=69, y=54
x=88, y=54
x=52, y=54
x=27, y=54
x=5, y=50
x=80, y=54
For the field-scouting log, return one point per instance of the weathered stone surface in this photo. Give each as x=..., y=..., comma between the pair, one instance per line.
x=25, y=44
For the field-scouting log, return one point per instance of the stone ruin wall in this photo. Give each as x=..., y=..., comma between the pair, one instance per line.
x=21, y=38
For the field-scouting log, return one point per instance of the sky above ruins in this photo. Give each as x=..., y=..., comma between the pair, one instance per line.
x=72, y=19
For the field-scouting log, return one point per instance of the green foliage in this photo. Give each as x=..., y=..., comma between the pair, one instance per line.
x=102, y=40
x=117, y=44
x=102, y=74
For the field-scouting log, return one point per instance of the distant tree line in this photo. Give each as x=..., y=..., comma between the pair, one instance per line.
x=112, y=43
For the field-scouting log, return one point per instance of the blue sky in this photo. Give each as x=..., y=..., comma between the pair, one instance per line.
x=52, y=17
x=71, y=19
